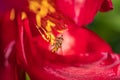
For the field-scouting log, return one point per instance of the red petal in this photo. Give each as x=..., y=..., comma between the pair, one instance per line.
x=8, y=66
x=106, y=6
x=88, y=58
x=8, y=4
x=81, y=11
x=85, y=55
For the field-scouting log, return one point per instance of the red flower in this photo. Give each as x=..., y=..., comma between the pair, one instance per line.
x=48, y=45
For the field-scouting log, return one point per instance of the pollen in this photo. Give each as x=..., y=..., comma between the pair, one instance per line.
x=12, y=14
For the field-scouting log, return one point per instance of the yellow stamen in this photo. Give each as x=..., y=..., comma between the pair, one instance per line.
x=38, y=20
x=48, y=36
x=24, y=15
x=61, y=31
x=49, y=25
x=47, y=5
x=42, y=34
x=34, y=6
x=12, y=14
x=52, y=38
x=41, y=8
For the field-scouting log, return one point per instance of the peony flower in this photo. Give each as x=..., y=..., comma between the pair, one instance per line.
x=49, y=42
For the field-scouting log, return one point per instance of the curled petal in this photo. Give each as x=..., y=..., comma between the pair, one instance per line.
x=106, y=6
x=82, y=12
x=81, y=56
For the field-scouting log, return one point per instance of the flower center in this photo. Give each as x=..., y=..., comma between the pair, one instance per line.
x=49, y=23
x=51, y=33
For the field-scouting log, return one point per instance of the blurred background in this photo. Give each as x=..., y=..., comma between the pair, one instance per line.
x=107, y=25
